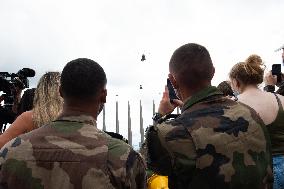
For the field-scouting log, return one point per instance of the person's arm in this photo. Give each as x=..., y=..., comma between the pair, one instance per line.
x=170, y=149
x=158, y=157
x=171, y=152
x=136, y=171
x=22, y=124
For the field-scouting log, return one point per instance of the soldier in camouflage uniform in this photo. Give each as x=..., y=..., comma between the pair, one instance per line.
x=70, y=152
x=216, y=142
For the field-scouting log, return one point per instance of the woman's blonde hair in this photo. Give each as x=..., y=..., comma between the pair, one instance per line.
x=249, y=72
x=47, y=101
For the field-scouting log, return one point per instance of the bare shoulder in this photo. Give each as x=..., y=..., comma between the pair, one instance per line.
x=27, y=114
x=258, y=100
x=25, y=122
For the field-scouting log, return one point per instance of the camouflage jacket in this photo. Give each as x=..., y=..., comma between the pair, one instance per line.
x=70, y=153
x=215, y=143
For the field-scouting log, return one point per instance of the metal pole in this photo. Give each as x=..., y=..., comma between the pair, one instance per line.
x=117, y=121
x=154, y=110
x=141, y=126
x=104, y=119
x=129, y=127
x=154, y=107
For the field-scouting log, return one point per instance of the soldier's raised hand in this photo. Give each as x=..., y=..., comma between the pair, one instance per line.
x=166, y=107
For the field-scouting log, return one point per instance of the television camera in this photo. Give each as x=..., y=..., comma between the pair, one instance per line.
x=10, y=84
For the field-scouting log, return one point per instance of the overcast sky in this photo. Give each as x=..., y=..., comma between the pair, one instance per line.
x=45, y=34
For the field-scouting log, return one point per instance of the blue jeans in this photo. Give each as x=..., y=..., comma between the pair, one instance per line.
x=278, y=169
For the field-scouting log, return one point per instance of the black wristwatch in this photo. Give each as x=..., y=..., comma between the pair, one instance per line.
x=157, y=116
x=269, y=88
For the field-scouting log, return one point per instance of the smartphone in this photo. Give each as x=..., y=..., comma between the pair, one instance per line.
x=172, y=93
x=276, y=70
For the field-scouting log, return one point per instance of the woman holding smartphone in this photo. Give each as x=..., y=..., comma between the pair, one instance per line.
x=245, y=78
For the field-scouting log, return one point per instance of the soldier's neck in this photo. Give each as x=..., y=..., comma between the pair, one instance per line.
x=75, y=110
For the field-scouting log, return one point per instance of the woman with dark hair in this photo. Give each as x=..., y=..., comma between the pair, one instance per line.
x=245, y=78
x=26, y=102
x=225, y=88
x=47, y=104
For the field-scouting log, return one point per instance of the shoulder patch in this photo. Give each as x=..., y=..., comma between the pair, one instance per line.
x=4, y=152
x=16, y=142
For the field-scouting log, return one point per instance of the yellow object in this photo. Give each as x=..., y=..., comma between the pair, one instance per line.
x=157, y=182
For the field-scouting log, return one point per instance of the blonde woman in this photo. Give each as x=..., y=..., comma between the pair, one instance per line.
x=47, y=105
x=245, y=78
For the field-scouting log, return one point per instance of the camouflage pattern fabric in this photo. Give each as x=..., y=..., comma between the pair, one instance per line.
x=215, y=143
x=70, y=153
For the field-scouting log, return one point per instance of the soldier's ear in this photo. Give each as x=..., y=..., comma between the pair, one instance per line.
x=103, y=95
x=213, y=72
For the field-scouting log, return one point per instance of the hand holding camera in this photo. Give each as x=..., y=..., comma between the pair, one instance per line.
x=276, y=70
x=270, y=79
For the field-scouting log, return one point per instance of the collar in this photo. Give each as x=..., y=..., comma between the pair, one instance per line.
x=201, y=95
x=86, y=119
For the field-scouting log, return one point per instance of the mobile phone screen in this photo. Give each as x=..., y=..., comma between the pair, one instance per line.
x=276, y=70
x=172, y=93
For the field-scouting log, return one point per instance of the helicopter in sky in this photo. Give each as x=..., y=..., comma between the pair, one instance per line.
x=143, y=58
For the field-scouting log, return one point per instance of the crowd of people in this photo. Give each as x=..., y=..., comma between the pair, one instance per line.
x=230, y=136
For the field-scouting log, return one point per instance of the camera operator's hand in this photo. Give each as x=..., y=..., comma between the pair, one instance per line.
x=166, y=107
x=270, y=79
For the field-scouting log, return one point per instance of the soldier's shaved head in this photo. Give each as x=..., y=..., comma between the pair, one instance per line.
x=82, y=78
x=192, y=66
